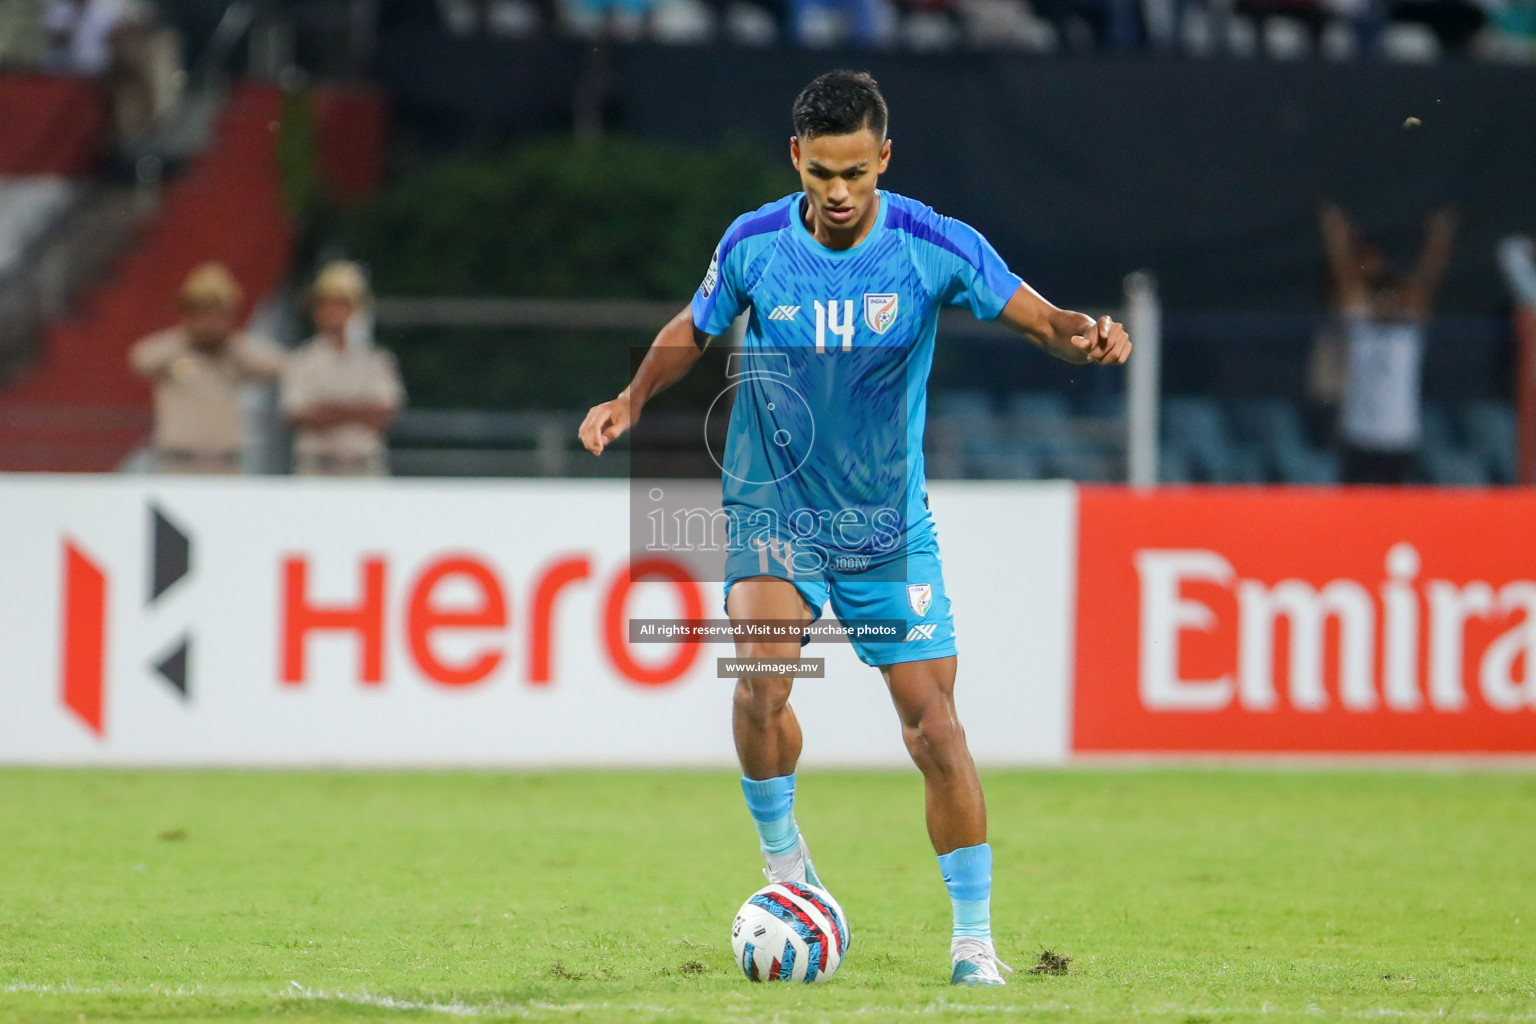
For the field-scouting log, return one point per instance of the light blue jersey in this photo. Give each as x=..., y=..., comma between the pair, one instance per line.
x=825, y=442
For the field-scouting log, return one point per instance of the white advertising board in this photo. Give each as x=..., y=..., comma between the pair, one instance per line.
x=283, y=622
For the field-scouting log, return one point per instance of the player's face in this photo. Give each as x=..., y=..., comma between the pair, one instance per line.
x=838, y=174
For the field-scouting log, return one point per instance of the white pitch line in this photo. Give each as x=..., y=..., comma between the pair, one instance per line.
x=544, y=1008
x=455, y=1008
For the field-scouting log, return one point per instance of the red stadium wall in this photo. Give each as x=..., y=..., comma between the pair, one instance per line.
x=80, y=408
x=51, y=125
x=1271, y=620
x=350, y=127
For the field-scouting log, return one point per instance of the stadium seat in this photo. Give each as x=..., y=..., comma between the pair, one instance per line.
x=1272, y=422
x=1107, y=406
x=1438, y=432
x=971, y=406
x=1038, y=405
x=991, y=457
x=1174, y=468
x=1490, y=430
x=1451, y=468
x=1307, y=466
x=1188, y=420
x=1195, y=429
x=1274, y=427
x=1084, y=465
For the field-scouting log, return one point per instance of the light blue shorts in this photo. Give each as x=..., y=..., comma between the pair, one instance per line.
x=918, y=600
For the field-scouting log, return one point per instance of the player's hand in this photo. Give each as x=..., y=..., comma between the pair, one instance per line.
x=603, y=424
x=1105, y=342
x=1444, y=221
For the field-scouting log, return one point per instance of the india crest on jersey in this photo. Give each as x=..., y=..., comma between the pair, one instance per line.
x=880, y=310
x=920, y=596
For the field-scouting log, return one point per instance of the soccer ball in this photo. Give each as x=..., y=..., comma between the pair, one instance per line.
x=790, y=932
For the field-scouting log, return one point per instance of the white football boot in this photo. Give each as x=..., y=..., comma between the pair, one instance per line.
x=794, y=866
x=976, y=963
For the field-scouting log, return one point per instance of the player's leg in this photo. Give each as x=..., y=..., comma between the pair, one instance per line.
x=924, y=695
x=920, y=672
x=766, y=731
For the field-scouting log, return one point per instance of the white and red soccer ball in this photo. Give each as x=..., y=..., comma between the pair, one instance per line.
x=790, y=932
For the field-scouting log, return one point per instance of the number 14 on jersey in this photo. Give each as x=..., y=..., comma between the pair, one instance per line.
x=836, y=317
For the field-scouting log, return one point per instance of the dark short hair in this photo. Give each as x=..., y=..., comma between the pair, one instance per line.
x=840, y=103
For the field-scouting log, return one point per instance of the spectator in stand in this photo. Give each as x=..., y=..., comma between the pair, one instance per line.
x=119, y=42
x=1100, y=24
x=199, y=369
x=860, y=20
x=1455, y=23
x=1513, y=30
x=1517, y=259
x=1311, y=15
x=1383, y=321
x=339, y=391
x=80, y=34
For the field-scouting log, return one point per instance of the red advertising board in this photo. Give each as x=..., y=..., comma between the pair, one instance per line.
x=1309, y=621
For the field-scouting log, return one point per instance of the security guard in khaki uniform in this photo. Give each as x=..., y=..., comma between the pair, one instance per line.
x=339, y=391
x=199, y=368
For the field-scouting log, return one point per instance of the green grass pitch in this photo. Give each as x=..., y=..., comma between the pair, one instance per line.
x=1182, y=895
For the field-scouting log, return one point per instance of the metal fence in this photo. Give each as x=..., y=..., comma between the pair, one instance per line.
x=1118, y=444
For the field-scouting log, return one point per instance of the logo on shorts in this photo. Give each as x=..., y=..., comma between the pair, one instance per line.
x=880, y=311
x=921, y=631
x=920, y=597
x=711, y=275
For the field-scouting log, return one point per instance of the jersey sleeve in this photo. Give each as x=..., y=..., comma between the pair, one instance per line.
x=971, y=273
x=722, y=296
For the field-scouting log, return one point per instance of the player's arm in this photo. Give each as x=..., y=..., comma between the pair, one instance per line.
x=676, y=348
x=325, y=415
x=1339, y=244
x=1425, y=279
x=1074, y=337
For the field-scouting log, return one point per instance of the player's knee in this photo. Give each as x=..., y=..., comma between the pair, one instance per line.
x=934, y=738
x=759, y=699
x=757, y=650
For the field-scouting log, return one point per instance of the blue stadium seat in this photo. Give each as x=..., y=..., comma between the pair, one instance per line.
x=1438, y=432
x=1307, y=466
x=1272, y=422
x=963, y=405
x=1008, y=466
x=1038, y=405
x=1084, y=465
x=1451, y=468
x=1275, y=427
x=1173, y=467
x=993, y=458
x=1195, y=429
x=1104, y=406
x=1490, y=428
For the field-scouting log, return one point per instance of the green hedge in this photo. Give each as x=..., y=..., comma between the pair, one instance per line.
x=560, y=218
x=551, y=219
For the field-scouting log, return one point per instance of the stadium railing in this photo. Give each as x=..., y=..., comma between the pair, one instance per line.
x=1114, y=440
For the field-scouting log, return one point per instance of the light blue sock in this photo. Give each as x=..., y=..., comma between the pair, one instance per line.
x=968, y=876
x=772, y=805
